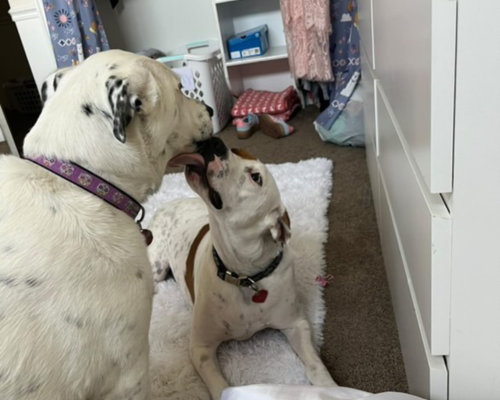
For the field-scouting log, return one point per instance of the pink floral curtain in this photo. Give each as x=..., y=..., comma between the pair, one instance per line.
x=307, y=30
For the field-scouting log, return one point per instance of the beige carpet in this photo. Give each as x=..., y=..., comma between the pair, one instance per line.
x=361, y=346
x=4, y=148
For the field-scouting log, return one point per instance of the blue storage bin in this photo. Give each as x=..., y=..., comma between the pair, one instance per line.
x=251, y=43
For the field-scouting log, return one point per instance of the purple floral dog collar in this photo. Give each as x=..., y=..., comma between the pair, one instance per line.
x=106, y=191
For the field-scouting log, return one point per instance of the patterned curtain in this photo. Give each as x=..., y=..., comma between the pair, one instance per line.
x=344, y=54
x=75, y=29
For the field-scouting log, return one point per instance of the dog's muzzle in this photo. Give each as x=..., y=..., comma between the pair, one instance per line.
x=197, y=163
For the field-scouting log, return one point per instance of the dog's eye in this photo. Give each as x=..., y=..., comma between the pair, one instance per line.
x=180, y=86
x=256, y=178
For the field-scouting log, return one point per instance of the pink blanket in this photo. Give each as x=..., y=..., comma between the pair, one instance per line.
x=278, y=104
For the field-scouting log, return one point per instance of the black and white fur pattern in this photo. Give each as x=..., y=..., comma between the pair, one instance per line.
x=75, y=281
x=51, y=83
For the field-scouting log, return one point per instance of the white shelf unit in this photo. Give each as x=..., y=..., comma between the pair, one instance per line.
x=269, y=71
x=274, y=53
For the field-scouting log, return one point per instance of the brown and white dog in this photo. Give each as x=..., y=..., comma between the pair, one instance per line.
x=229, y=255
x=75, y=279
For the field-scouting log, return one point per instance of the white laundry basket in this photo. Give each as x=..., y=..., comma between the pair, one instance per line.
x=210, y=87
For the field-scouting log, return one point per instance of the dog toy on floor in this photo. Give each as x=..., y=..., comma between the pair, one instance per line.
x=245, y=127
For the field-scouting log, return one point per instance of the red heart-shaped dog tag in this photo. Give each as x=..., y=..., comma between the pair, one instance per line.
x=260, y=296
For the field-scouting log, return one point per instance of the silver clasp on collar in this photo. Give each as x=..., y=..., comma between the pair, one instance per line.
x=253, y=285
x=228, y=277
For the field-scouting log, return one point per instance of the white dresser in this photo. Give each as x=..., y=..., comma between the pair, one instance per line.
x=431, y=86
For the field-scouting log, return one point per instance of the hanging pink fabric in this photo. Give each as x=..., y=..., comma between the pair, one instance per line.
x=307, y=30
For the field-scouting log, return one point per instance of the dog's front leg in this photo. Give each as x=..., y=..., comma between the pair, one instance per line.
x=204, y=359
x=300, y=338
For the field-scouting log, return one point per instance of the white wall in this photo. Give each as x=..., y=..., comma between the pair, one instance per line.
x=165, y=24
x=21, y=3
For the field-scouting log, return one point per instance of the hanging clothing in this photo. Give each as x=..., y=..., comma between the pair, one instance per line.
x=345, y=59
x=307, y=30
x=75, y=29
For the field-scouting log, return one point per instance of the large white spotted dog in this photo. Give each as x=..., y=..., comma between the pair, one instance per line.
x=75, y=280
x=228, y=252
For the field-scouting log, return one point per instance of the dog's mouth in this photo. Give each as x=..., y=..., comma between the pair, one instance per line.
x=195, y=164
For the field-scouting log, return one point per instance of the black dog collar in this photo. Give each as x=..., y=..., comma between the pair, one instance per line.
x=245, y=281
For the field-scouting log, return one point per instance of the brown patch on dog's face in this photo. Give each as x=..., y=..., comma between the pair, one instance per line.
x=243, y=154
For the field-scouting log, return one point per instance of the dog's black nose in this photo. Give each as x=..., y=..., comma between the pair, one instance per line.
x=212, y=147
x=210, y=110
x=220, y=149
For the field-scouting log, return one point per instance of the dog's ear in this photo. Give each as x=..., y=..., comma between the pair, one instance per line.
x=51, y=83
x=123, y=105
x=243, y=154
x=281, y=229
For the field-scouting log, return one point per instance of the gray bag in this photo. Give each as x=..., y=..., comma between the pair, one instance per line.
x=348, y=129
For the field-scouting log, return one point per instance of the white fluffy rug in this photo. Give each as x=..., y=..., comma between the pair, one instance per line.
x=267, y=357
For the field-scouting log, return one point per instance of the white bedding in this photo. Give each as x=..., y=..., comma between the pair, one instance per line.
x=296, y=392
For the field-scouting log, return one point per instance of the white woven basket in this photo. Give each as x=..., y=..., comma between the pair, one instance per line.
x=210, y=87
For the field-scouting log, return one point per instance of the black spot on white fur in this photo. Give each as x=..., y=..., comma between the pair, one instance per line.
x=74, y=321
x=112, y=67
x=44, y=92
x=33, y=282
x=88, y=109
x=57, y=79
x=123, y=106
x=30, y=388
x=227, y=327
x=222, y=299
x=7, y=281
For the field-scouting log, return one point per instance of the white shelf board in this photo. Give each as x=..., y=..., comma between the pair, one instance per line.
x=274, y=53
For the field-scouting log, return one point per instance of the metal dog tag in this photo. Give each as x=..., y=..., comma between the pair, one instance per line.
x=148, y=236
x=260, y=296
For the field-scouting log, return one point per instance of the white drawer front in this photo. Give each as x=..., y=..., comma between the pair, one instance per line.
x=424, y=227
x=415, y=52
x=427, y=375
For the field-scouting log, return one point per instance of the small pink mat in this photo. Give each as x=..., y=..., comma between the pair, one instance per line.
x=279, y=104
